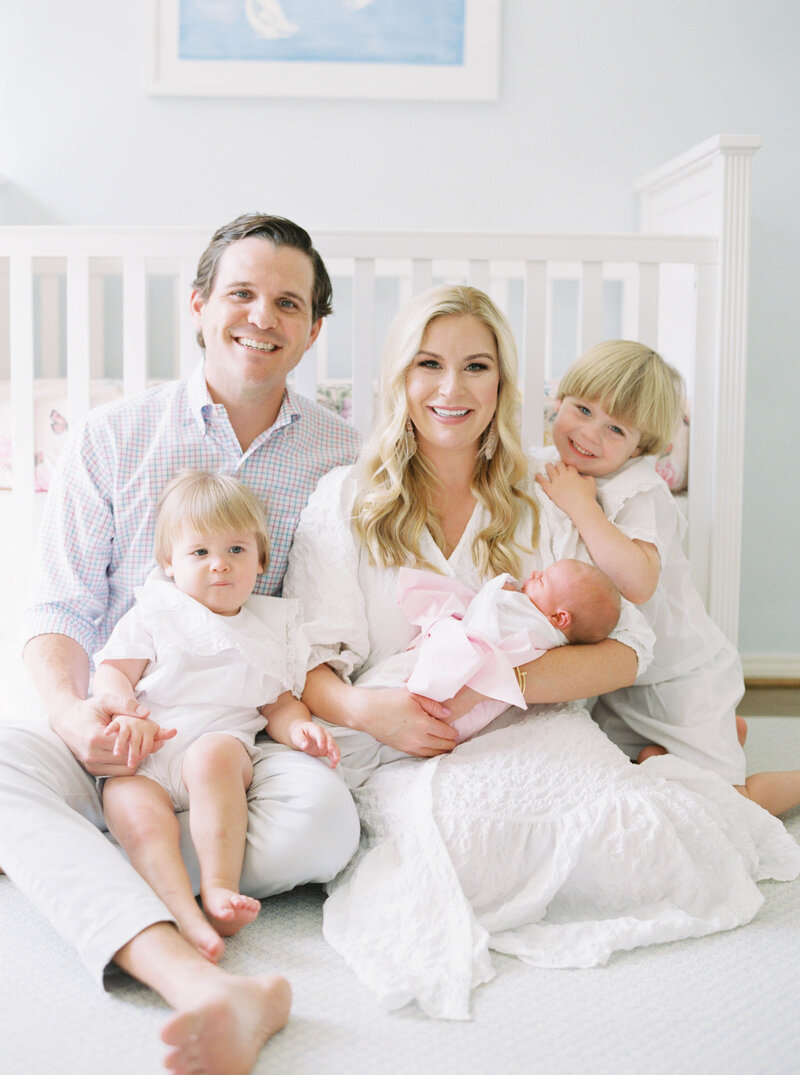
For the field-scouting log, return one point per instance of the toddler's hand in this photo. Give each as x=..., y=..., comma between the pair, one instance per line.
x=137, y=737
x=314, y=740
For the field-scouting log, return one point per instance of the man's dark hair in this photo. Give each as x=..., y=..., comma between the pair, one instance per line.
x=281, y=232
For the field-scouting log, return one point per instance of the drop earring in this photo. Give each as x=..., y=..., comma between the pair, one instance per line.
x=490, y=442
x=410, y=438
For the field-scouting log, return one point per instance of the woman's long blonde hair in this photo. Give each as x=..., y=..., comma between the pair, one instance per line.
x=394, y=504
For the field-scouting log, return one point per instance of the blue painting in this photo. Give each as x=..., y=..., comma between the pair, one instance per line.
x=429, y=32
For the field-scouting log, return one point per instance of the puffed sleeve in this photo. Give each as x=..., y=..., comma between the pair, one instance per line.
x=131, y=639
x=647, y=515
x=323, y=575
x=634, y=631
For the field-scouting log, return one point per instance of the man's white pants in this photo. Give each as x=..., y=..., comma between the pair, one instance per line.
x=302, y=827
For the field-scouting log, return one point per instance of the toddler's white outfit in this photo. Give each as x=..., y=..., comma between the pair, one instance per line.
x=207, y=673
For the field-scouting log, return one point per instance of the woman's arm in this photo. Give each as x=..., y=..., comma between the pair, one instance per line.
x=391, y=715
x=571, y=673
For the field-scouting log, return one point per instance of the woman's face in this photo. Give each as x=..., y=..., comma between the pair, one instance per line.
x=452, y=383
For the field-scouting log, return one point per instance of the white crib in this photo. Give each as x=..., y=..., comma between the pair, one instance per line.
x=87, y=309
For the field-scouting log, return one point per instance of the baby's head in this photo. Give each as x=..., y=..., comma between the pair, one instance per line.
x=211, y=538
x=578, y=598
x=633, y=385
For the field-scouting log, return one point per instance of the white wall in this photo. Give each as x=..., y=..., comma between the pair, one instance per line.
x=592, y=95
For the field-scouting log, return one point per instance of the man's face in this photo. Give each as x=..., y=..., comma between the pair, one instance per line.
x=256, y=322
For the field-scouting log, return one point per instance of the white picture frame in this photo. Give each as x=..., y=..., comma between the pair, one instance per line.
x=471, y=76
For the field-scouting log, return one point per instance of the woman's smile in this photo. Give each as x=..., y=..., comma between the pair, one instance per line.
x=452, y=383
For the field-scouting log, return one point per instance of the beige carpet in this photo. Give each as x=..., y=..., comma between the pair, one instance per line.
x=722, y=1004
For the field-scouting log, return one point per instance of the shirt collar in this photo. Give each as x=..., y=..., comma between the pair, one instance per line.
x=200, y=402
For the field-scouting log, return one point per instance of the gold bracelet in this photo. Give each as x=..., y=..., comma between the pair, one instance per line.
x=522, y=679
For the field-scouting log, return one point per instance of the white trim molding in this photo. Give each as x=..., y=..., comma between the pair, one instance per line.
x=771, y=666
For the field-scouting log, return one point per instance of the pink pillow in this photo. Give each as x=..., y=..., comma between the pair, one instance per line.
x=50, y=424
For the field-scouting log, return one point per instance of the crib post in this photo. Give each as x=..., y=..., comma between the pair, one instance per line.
x=707, y=192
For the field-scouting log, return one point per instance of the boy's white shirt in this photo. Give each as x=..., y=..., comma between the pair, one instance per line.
x=686, y=636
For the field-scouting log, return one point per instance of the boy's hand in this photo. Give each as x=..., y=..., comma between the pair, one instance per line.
x=568, y=489
x=137, y=737
x=311, y=738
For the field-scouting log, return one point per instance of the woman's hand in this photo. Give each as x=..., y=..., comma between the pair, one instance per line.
x=393, y=716
x=453, y=708
x=389, y=714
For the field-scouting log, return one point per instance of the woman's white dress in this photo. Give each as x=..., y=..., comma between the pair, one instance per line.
x=537, y=837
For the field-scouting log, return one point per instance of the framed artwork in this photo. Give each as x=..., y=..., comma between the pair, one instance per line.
x=389, y=49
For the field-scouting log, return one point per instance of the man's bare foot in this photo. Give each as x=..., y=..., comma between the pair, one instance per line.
x=229, y=911
x=224, y=1034
x=741, y=729
x=652, y=751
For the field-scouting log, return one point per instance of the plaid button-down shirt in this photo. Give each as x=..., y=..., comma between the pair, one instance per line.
x=96, y=542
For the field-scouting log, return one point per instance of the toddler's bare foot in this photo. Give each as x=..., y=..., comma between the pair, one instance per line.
x=224, y=1034
x=652, y=751
x=229, y=911
x=201, y=934
x=741, y=729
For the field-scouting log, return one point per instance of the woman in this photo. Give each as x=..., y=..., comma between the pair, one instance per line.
x=537, y=837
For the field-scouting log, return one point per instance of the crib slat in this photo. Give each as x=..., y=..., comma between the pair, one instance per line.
x=22, y=417
x=187, y=346
x=134, y=326
x=479, y=276
x=49, y=322
x=363, y=318
x=97, y=329
x=305, y=374
x=421, y=275
x=647, y=332
x=78, y=338
x=701, y=438
x=591, y=317
x=533, y=351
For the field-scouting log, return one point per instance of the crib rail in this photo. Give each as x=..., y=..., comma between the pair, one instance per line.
x=90, y=303
x=71, y=290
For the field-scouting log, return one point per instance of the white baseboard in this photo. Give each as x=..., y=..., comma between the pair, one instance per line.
x=771, y=665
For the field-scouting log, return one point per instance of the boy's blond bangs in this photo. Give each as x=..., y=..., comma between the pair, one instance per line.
x=633, y=384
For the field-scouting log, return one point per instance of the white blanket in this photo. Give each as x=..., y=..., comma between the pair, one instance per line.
x=539, y=838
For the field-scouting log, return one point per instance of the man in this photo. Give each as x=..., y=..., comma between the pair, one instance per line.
x=258, y=302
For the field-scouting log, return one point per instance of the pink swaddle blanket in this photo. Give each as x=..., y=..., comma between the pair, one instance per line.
x=474, y=640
